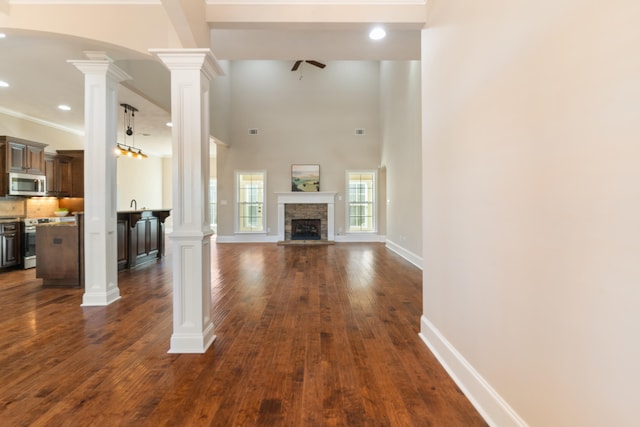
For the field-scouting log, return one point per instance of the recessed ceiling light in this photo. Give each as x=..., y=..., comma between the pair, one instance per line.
x=2, y=35
x=64, y=107
x=4, y=84
x=169, y=124
x=377, y=33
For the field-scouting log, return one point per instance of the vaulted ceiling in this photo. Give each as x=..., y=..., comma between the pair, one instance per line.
x=35, y=63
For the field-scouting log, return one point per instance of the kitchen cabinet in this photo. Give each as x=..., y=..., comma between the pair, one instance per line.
x=145, y=240
x=25, y=157
x=122, y=231
x=72, y=172
x=50, y=173
x=9, y=244
x=65, y=176
x=140, y=237
x=58, y=170
x=59, y=254
x=21, y=156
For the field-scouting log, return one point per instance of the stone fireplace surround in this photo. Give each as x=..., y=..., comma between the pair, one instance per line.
x=312, y=212
x=324, y=197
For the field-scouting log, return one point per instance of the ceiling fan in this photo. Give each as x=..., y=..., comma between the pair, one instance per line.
x=299, y=62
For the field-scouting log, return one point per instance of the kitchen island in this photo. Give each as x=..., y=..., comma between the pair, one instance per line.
x=140, y=236
x=60, y=246
x=59, y=253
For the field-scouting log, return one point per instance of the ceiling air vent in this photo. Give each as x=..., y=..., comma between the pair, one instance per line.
x=359, y=131
x=253, y=131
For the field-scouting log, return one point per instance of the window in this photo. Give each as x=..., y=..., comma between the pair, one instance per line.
x=361, y=191
x=250, y=202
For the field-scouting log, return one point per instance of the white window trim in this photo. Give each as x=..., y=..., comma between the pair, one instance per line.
x=347, y=227
x=236, y=214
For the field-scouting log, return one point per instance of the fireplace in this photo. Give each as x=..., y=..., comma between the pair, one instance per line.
x=305, y=229
x=306, y=206
x=304, y=216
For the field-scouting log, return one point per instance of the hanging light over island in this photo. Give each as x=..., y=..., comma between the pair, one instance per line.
x=126, y=150
x=122, y=149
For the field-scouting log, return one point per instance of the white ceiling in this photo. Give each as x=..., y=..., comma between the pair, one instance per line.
x=41, y=78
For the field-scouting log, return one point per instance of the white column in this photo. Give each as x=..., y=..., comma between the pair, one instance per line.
x=191, y=73
x=100, y=239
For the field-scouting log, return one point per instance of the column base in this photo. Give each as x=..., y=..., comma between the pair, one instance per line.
x=91, y=299
x=192, y=343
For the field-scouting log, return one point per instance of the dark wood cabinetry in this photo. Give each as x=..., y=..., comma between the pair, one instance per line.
x=25, y=156
x=140, y=237
x=58, y=254
x=50, y=172
x=21, y=156
x=122, y=230
x=58, y=170
x=146, y=241
x=64, y=169
x=60, y=246
x=72, y=172
x=9, y=244
x=65, y=176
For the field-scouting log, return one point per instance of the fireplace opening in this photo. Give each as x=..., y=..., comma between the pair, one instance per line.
x=305, y=229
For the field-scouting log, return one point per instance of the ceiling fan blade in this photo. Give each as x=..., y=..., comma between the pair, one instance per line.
x=317, y=64
x=296, y=65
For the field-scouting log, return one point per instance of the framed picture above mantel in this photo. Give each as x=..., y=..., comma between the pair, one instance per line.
x=305, y=178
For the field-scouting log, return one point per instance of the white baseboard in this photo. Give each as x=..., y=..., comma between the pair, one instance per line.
x=359, y=238
x=264, y=238
x=482, y=396
x=408, y=255
x=247, y=238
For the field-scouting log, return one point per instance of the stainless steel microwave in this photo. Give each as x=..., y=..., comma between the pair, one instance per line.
x=23, y=184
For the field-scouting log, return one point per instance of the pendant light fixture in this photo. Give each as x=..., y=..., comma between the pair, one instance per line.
x=122, y=149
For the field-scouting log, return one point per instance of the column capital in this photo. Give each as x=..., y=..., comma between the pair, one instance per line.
x=100, y=67
x=190, y=59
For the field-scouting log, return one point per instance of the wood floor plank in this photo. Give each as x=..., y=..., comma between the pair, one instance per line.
x=306, y=336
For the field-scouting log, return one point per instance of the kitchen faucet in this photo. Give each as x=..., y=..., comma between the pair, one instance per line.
x=133, y=203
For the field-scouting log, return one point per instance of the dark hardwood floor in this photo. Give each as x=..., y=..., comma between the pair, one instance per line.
x=306, y=336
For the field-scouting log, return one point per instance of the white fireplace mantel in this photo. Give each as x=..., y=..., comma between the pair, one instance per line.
x=304, y=197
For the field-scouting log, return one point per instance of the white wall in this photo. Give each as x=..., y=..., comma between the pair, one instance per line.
x=56, y=138
x=141, y=180
x=302, y=117
x=220, y=101
x=532, y=205
x=401, y=159
x=167, y=187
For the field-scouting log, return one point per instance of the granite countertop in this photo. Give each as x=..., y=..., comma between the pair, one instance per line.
x=143, y=210
x=6, y=220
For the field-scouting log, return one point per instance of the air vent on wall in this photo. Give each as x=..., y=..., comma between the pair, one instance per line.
x=359, y=131
x=253, y=131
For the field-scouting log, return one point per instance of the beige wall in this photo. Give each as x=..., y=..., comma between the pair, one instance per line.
x=57, y=139
x=531, y=206
x=306, y=117
x=138, y=26
x=141, y=180
x=220, y=104
x=401, y=160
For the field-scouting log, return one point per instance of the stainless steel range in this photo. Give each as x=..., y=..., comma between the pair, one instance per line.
x=29, y=237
